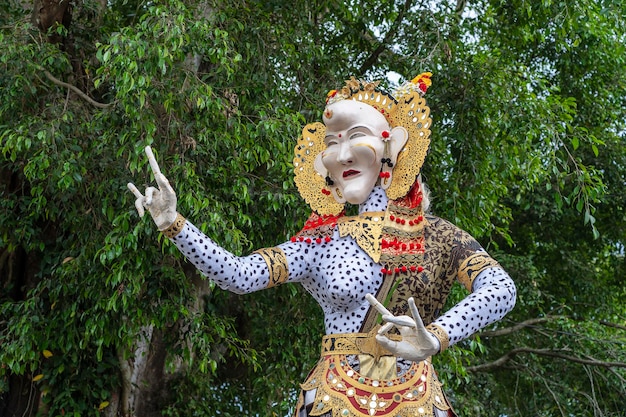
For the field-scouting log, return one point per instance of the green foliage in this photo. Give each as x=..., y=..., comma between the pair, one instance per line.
x=527, y=154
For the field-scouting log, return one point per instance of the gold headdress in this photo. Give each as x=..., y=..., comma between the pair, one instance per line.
x=405, y=107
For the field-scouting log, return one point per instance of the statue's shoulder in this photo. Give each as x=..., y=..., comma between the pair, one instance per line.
x=437, y=223
x=444, y=231
x=318, y=227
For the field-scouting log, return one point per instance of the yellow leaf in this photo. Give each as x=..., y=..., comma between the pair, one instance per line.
x=47, y=353
x=103, y=405
x=37, y=377
x=68, y=259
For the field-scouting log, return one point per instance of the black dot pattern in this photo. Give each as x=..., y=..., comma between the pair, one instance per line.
x=493, y=295
x=338, y=274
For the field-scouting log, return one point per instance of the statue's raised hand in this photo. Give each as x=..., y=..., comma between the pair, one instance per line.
x=161, y=201
x=417, y=343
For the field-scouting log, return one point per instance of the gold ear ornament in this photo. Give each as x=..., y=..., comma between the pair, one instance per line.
x=310, y=183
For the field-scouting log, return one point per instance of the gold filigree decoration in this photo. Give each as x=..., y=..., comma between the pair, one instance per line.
x=345, y=392
x=472, y=266
x=309, y=182
x=406, y=108
x=176, y=227
x=414, y=115
x=277, y=265
x=356, y=343
x=440, y=334
x=366, y=229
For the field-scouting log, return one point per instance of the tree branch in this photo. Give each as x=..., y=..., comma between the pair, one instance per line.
x=388, y=37
x=615, y=325
x=487, y=367
x=77, y=91
x=519, y=326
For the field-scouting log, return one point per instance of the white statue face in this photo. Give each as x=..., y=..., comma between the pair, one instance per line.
x=354, y=147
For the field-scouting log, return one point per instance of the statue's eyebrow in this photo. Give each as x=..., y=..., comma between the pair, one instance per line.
x=358, y=128
x=328, y=137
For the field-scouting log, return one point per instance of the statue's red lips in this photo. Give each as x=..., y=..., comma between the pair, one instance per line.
x=350, y=173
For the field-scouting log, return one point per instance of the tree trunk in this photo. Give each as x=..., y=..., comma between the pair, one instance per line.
x=47, y=14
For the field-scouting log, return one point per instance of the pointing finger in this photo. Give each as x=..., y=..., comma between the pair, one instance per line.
x=415, y=313
x=405, y=321
x=153, y=162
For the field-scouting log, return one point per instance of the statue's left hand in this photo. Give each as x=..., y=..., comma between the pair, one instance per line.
x=160, y=202
x=417, y=343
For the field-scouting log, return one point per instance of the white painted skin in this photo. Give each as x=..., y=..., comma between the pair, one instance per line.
x=355, y=145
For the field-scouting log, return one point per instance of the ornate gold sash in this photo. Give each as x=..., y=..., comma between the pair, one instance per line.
x=347, y=393
x=373, y=391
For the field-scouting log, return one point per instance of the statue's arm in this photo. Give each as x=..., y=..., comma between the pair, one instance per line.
x=493, y=296
x=240, y=274
x=263, y=269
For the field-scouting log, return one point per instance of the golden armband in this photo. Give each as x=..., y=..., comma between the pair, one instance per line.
x=474, y=265
x=276, y=264
x=440, y=334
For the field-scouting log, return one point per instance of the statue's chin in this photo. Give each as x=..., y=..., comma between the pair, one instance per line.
x=356, y=196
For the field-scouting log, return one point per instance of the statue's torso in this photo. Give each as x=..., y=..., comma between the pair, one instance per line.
x=341, y=273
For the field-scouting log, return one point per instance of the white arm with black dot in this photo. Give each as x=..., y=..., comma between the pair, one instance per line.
x=493, y=296
x=238, y=274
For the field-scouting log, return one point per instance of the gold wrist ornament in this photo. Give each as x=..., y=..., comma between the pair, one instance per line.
x=440, y=334
x=175, y=228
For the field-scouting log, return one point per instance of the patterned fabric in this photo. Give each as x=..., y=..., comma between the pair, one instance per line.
x=342, y=391
x=447, y=247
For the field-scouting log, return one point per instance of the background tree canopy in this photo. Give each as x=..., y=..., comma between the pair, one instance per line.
x=99, y=314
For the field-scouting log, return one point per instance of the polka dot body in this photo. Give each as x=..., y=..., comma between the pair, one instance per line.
x=338, y=274
x=339, y=282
